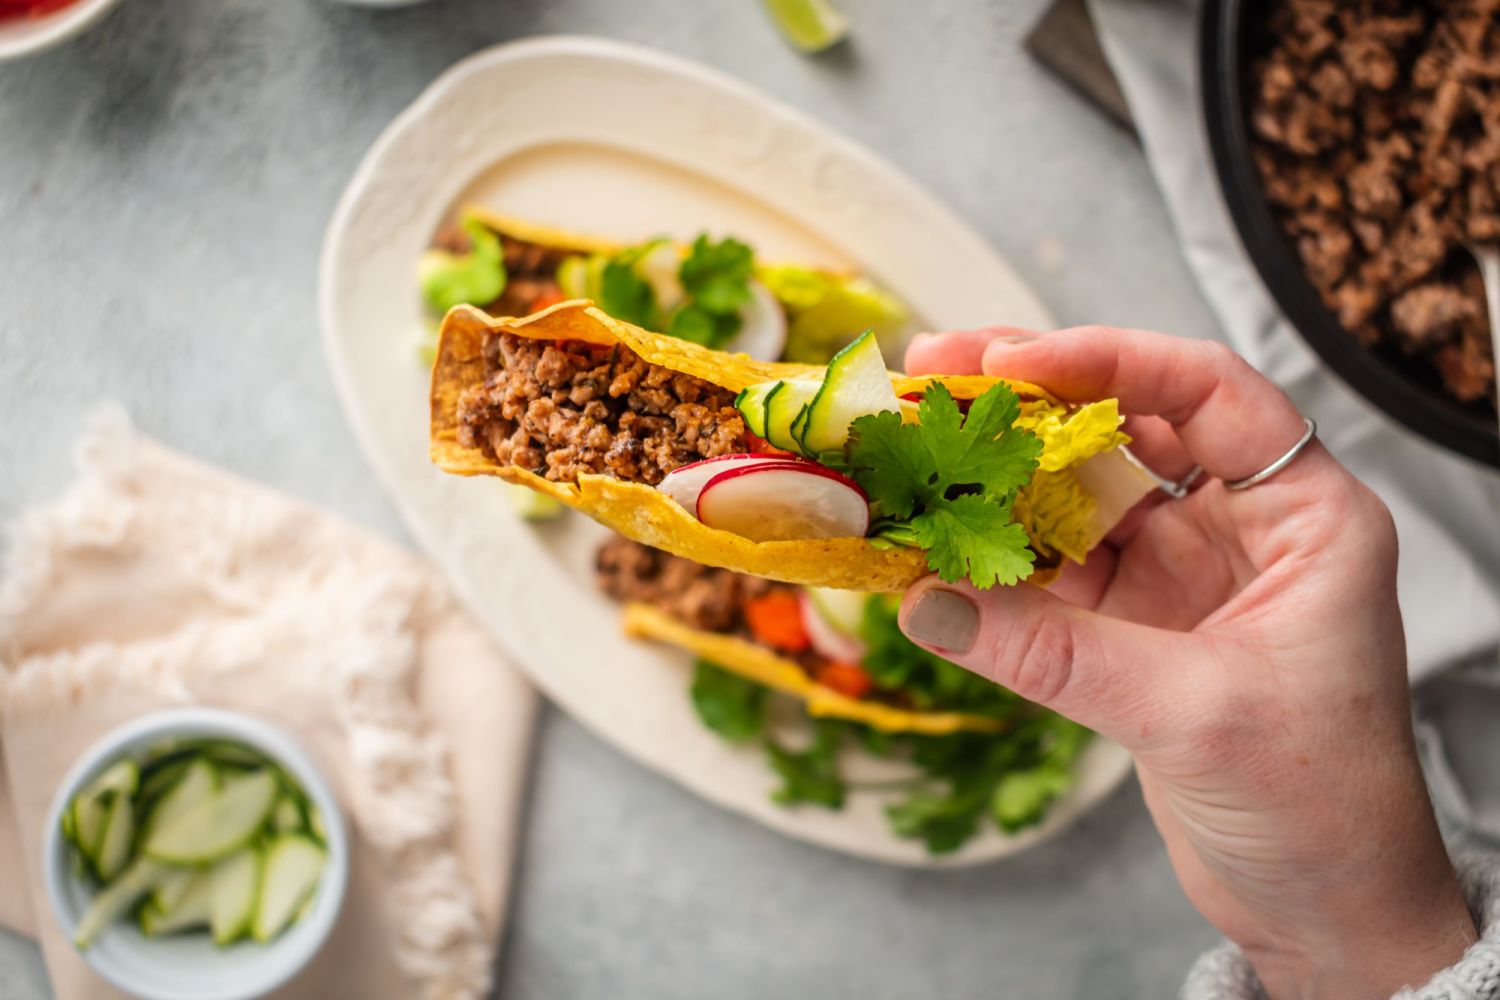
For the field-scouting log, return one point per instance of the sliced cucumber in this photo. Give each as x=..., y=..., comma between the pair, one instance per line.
x=217, y=826
x=121, y=776
x=293, y=865
x=288, y=818
x=856, y=384
x=784, y=404
x=234, y=886
x=137, y=880
x=189, y=912
x=198, y=783
x=233, y=754
x=315, y=824
x=844, y=610
x=172, y=887
x=155, y=781
x=752, y=406
x=117, y=838
x=89, y=814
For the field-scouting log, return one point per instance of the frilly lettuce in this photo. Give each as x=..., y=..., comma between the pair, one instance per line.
x=477, y=277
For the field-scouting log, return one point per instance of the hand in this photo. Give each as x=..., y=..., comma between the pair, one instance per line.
x=1246, y=648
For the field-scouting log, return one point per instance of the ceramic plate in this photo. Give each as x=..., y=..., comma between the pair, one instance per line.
x=626, y=142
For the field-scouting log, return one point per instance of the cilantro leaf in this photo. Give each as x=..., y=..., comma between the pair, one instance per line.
x=624, y=294
x=981, y=449
x=891, y=462
x=952, y=478
x=730, y=705
x=717, y=275
x=1021, y=798
x=694, y=324
x=971, y=536
x=811, y=775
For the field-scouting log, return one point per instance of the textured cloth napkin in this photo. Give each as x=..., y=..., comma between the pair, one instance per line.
x=1447, y=510
x=156, y=581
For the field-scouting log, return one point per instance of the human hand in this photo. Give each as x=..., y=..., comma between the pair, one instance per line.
x=1246, y=648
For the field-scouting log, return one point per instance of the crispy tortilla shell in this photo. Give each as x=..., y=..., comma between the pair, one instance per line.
x=756, y=663
x=641, y=512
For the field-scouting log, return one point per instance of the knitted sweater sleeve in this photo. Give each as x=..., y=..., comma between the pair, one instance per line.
x=1224, y=974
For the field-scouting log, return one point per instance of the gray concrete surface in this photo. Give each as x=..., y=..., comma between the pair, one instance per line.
x=164, y=184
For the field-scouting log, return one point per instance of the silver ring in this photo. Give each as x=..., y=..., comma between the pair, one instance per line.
x=1280, y=463
x=1174, y=488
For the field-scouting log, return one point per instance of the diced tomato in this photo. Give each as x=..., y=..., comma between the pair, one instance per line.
x=776, y=621
x=760, y=446
x=550, y=297
x=915, y=397
x=847, y=679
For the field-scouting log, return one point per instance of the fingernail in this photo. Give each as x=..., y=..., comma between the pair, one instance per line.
x=943, y=618
x=1014, y=338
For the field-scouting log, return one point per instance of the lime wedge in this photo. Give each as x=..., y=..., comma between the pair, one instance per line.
x=811, y=25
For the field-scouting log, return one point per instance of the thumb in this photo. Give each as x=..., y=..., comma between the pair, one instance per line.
x=1106, y=673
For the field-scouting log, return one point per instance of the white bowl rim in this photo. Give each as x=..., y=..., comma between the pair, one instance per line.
x=23, y=38
x=280, y=748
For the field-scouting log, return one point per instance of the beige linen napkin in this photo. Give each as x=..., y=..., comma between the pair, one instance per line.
x=157, y=581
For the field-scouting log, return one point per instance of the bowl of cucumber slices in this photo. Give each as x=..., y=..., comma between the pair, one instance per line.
x=196, y=853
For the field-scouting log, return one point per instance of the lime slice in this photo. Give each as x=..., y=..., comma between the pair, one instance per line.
x=811, y=25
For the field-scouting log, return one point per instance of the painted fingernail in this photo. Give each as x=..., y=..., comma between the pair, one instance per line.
x=943, y=618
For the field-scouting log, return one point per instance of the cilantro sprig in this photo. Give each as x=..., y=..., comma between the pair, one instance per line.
x=715, y=279
x=948, y=483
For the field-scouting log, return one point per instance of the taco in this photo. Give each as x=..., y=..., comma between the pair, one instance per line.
x=842, y=475
x=969, y=749
x=716, y=292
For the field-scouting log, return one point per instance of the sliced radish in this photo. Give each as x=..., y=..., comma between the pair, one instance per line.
x=781, y=501
x=762, y=326
x=826, y=639
x=685, y=482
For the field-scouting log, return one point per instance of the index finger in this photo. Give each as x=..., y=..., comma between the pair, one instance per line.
x=1229, y=417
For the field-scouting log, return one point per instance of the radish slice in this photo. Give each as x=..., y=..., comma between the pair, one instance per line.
x=826, y=639
x=782, y=501
x=762, y=326
x=685, y=482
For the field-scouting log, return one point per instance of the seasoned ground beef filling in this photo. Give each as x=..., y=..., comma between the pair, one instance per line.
x=562, y=409
x=1377, y=138
x=700, y=596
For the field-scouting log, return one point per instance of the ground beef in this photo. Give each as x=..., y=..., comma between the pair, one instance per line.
x=562, y=409
x=1376, y=131
x=701, y=596
x=530, y=268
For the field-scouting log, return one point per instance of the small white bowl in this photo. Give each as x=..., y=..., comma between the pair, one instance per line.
x=23, y=36
x=190, y=966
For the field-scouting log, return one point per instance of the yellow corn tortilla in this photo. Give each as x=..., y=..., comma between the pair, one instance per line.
x=645, y=514
x=756, y=663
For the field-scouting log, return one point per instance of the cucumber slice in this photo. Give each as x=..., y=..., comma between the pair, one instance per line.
x=751, y=403
x=173, y=886
x=137, y=880
x=233, y=754
x=216, y=826
x=844, y=610
x=234, y=887
x=784, y=404
x=856, y=384
x=198, y=783
x=155, y=781
x=119, y=834
x=190, y=911
x=315, y=824
x=121, y=776
x=89, y=814
x=288, y=818
x=293, y=865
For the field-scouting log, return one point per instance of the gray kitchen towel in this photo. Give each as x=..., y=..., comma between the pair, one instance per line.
x=1447, y=510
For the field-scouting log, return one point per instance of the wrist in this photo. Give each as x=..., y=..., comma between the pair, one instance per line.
x=1371, y=946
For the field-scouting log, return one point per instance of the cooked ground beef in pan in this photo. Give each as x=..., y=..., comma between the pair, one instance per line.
x=700, y=596
x=562, y=409
x=1376, y=130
